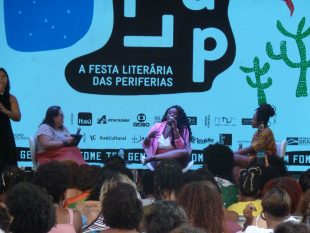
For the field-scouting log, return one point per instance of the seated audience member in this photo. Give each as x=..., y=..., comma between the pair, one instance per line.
x=116, y=163
x=276, y=205
x=95, y=218
x=85, y=178
x=304, y=180
x=186, y=228
x=169, y=139
x=147, y=183
x=54, y=140
x=292, y=227
x=5, y=218
x=164, y=216
x=122, y=209
x=167, y=180
x=304, y=205
x=204, y=207
x=250, y=185
x=10, y=176
x=291, y=186
x=54, y=178
x=219, y=160
x=30, y=208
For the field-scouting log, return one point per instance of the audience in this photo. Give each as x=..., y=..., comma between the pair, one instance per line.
x=122, y=209
x=219, y=160
x=30, y=208
x=164, y=217
x=54, y=178
x=292, y=227
x=5, y=218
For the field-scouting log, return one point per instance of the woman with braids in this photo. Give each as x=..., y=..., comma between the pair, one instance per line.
x=169, y=139
x=250, y=185
x=263, y=139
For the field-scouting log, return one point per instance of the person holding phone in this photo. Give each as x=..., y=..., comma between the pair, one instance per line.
x=263, y=141
x=169, y=139
x=54, y=140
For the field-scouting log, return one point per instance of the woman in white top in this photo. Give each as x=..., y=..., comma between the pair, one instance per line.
x=54, y=140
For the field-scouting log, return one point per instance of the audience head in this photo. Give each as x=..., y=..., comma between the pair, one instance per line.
x=167, y=179
x=113, y=180
x=304, y=180
x=147, y=182
x=186, y=228
x=250, y=182
x=292, y=227
x=290, y=185
x=54, y=177
x=11, y=175
x=5, y=218
x=121, y=207
x=4, y=82
x=276, y=204
x=262, y=115
x=219, y=160
x=304, y=203
x=164, y=216
x=53, y=117
x=30, y=208
x=86, y=177
x=203, y=205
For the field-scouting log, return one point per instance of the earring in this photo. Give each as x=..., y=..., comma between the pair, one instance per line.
x=262, y=215
x=261, y=126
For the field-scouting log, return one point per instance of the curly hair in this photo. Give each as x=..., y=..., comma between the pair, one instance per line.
x=290, y=185
x=164, y=216
x=121, y=207
x=31, y=209
x=86, y=177
x=5, y=218
x=264, y=112
x=304, y=180
x=54, y=177
x=219, y=160
x=182, y=121
x=250, y=181
x=167, y=178
x=203, y=205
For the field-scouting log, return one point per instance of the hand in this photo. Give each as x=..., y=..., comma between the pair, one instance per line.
x=153, y=134
x=3, y=109
x=69, y=141
x=248, y=213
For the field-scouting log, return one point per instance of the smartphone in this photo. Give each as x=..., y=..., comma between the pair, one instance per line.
x=260, y=156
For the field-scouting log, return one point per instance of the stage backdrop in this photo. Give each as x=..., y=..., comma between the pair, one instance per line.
x=115, y=66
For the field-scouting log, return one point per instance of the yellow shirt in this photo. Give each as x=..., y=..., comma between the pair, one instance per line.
x=240, y=206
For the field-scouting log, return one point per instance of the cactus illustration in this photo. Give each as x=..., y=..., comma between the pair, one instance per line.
x=258, y=84
x=303, y=64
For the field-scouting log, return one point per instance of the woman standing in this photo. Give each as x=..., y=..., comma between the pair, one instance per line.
x=9, y=110
x=169, y=139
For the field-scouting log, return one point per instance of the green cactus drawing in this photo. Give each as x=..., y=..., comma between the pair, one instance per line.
x=303, y=64
x=258, y=84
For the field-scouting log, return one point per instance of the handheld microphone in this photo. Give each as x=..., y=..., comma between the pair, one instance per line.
x=78, y=131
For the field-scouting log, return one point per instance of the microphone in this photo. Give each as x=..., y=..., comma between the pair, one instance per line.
x=78, y=131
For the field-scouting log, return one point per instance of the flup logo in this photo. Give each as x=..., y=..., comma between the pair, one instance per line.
x=157, y=47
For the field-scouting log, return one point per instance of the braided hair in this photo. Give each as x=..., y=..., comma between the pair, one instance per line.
x=250, y=181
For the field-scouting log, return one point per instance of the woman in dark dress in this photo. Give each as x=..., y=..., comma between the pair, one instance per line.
x=9, y=110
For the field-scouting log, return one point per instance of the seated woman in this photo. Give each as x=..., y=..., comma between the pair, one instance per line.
x=263, y=138
x=54, y=140
x=169, y=139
